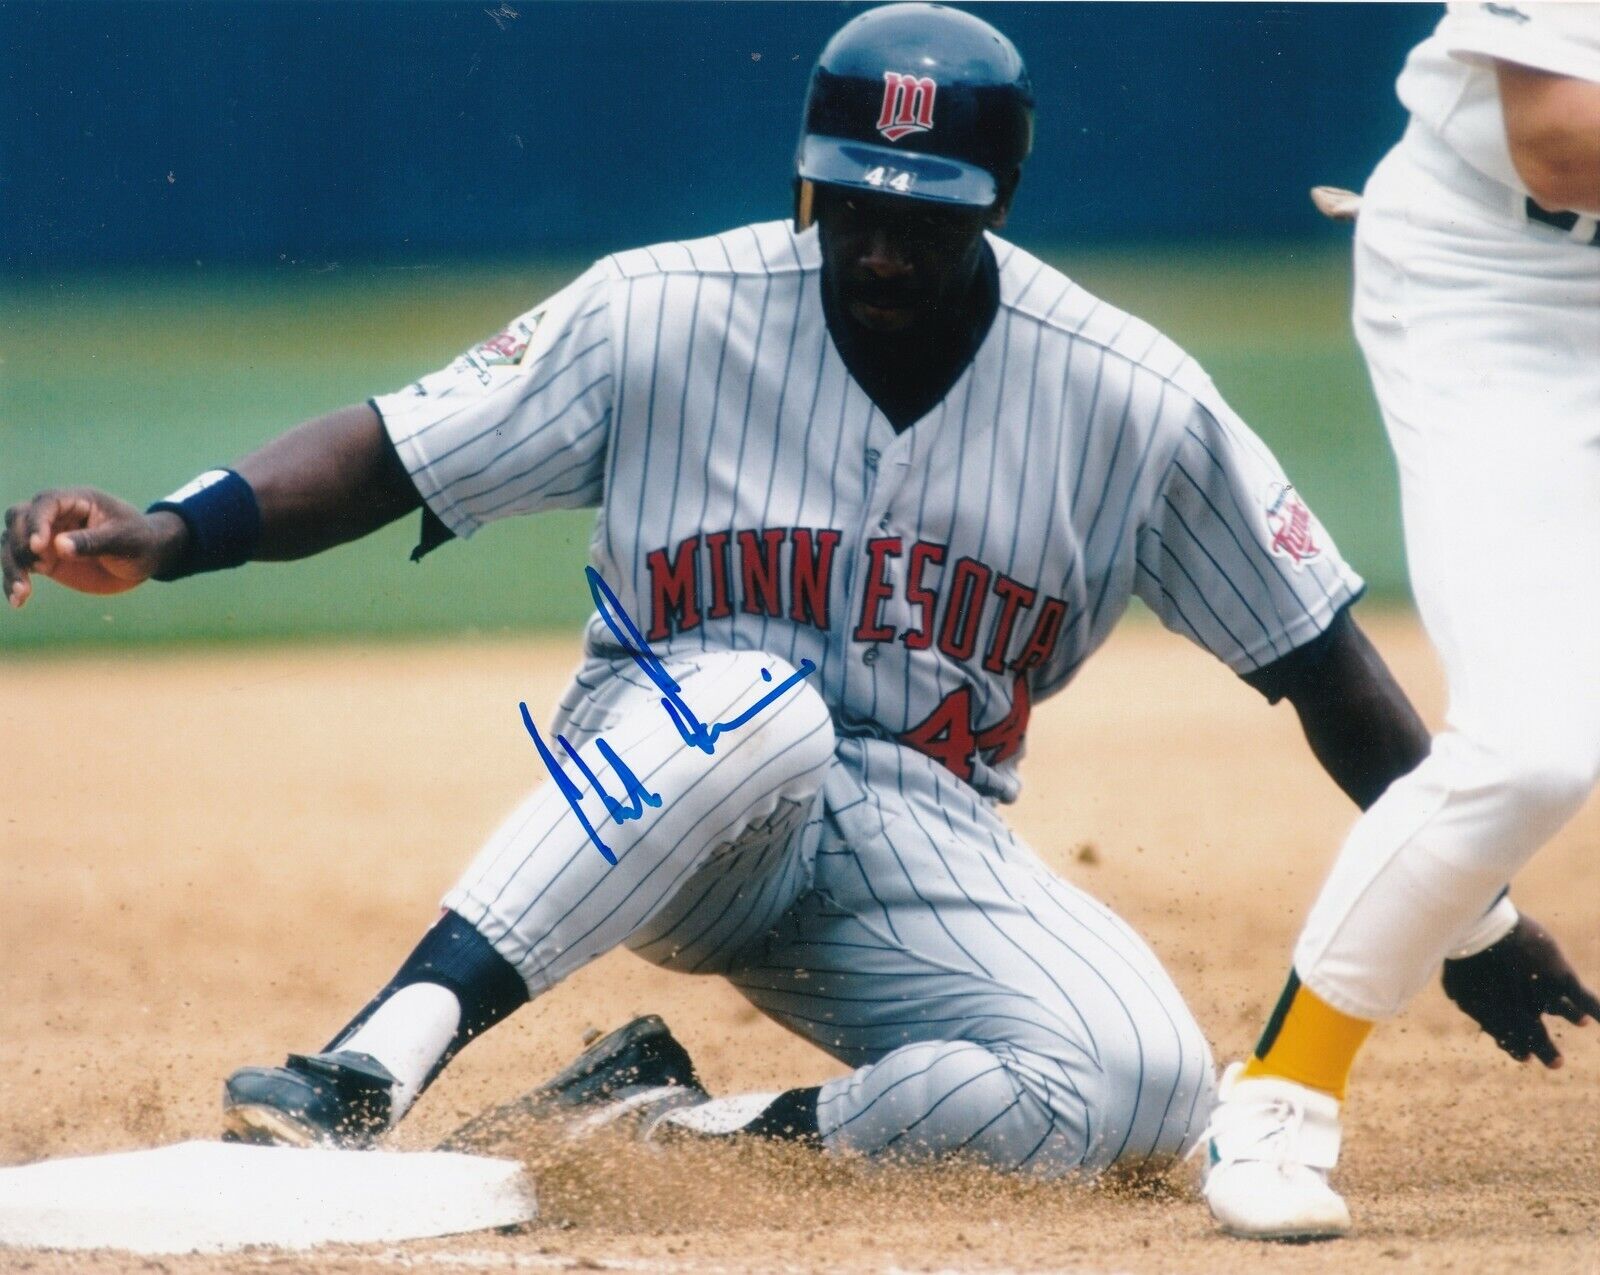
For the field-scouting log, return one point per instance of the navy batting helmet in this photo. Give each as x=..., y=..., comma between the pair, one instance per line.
x=917, y=100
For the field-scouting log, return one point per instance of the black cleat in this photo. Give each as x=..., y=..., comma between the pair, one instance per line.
x=644, y=1054
x=632, y=1077
x=339, y=1099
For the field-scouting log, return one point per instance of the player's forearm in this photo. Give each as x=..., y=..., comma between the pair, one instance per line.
x=1358, y=721
x=1553, y=132
x=328, y=481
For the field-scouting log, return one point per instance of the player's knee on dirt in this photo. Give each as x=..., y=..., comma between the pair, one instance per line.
x=947, y=1098
x=1011, y=1109
x=1153, y=1096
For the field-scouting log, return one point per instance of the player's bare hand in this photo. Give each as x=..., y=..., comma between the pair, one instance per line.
x=1507, y=990
x=84, y=539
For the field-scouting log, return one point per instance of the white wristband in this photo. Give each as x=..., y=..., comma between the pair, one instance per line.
x=1489, y=929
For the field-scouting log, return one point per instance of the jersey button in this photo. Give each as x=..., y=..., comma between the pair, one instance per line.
x=870, y=655
x=872, y=458
x=883, y=523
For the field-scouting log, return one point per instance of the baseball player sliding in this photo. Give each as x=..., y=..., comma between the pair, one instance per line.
x=1477, y=305
x=893, y=465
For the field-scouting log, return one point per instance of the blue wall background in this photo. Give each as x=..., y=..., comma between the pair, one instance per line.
x=316, y=132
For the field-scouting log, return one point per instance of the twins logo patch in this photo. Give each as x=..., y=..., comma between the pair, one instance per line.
x=510, y=345
x=907, y=105
x=1294, y=532
x=505, y=349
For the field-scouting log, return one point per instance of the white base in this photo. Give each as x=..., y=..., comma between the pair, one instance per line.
x=214, y=1196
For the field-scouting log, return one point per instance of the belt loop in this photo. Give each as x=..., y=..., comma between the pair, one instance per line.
x=1519, y=205
x=1583, y=230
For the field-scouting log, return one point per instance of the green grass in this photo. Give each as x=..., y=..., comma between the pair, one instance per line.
x=136, y=383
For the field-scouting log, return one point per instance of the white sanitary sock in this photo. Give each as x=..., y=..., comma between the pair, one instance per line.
x=721, y=1116
x=408, y=1034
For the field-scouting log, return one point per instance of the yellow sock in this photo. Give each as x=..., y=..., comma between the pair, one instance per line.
x=1309, y=1042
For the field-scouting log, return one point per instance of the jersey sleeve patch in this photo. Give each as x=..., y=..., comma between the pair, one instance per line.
x=1230, y=554
x=517, y=422
x=521, y=344
x=510, y=346
x=1292, y=530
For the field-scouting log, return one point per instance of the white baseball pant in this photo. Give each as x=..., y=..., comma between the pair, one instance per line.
x=1482, y=334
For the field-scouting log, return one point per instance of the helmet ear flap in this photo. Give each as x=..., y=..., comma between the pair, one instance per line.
x=805, y=194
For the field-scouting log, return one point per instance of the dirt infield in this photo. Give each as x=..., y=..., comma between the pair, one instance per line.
x=210, y=858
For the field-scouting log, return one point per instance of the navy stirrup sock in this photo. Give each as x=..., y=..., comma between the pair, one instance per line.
x=455, y=955
x=790, y=1117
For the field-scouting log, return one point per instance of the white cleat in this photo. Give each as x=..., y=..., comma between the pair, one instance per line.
x=1269, y=1147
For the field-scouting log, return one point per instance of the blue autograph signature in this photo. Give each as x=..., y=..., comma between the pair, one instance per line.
x=696, y=734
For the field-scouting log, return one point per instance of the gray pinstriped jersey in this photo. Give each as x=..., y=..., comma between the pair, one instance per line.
x=942, y=579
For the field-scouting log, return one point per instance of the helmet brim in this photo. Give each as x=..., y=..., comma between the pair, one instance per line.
x=883, y=170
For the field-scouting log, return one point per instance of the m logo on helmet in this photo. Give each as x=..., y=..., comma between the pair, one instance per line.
x=907, y=105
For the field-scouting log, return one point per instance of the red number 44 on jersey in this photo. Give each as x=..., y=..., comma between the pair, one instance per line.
x=952, y=738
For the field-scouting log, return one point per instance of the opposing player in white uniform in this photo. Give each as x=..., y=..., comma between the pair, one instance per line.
x=1477, y=305
x=869, y=489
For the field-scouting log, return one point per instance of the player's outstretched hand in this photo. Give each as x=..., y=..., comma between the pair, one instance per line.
x=84, y=539
x=1509, y=987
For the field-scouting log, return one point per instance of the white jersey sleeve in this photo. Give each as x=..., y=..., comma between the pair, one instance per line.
x=1229, y=555
x=1563, y=39
x=518, y=423
x=1449, y=82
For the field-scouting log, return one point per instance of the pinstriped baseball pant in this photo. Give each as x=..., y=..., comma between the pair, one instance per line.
x=862, y=896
